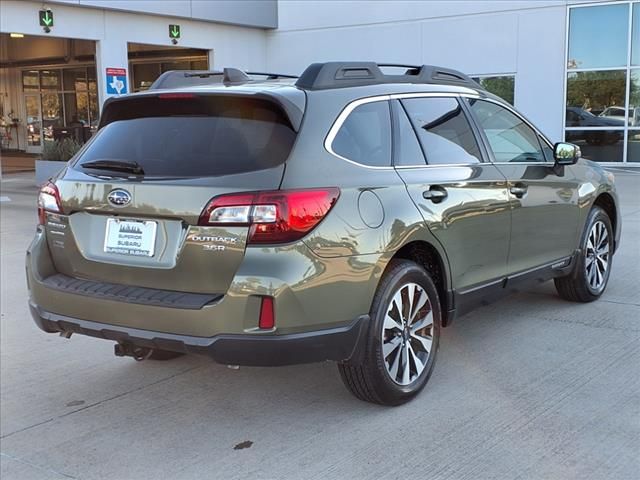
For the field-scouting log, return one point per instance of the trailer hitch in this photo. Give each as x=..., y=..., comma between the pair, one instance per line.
x=129, y=350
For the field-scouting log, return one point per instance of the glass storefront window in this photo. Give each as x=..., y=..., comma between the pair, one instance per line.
x=598, y=145
x=50, y=80
x=633, y=146
x=32, y=108
x=74, y=79
x=598, y=36
x=635, y=36
x=51, y=113
x=76, y=109
x=596, y=99
x=503, y=86
x=30, y=81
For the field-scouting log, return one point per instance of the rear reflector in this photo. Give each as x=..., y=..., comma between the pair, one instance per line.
x=267, y=317
x=278, y=216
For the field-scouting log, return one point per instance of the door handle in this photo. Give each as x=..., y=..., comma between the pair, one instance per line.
x=519, y=190
x=436, y=194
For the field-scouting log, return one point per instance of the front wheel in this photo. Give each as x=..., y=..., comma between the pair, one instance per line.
x=402, y=339
x=590, y=274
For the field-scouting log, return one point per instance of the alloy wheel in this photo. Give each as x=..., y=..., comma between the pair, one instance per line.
x=407, y=334
x=597, y=256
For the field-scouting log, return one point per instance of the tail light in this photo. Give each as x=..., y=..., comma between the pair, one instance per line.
x=48, y=201
x=278, y=216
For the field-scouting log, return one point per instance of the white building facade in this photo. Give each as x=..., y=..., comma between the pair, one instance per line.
x=572, y=67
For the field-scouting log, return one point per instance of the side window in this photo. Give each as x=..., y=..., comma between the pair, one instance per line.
x=511, y=139
x=365, y=136
x=407, y=151
x=443, y=130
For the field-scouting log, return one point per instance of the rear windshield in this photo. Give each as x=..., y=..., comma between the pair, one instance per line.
x=193, y=136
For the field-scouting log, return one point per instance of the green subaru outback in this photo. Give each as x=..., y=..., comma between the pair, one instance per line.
x=348, y=215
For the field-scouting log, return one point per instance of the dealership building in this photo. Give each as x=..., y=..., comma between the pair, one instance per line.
x=572, y=67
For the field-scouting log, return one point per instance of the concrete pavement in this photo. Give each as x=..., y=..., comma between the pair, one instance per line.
x=531, y=387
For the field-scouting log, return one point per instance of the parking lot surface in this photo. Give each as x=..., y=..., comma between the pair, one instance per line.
x=529, y=387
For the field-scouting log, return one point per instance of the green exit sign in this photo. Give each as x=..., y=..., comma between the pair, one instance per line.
x=174, y=31
x=46, y=18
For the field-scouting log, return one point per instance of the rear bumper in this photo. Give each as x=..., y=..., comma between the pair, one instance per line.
x=242, y=349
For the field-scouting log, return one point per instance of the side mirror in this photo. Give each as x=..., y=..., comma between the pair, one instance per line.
x=566, y=153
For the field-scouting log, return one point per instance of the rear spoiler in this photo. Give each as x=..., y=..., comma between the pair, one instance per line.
x=292, y=107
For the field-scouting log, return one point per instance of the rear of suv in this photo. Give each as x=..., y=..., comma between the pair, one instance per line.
x=348, y=215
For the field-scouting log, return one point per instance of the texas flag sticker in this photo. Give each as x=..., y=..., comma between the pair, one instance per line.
x=116, y=81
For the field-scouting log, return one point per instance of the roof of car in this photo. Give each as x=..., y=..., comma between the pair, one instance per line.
x=322, y=76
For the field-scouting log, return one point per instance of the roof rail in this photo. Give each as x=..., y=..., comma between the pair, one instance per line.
x=323, y=76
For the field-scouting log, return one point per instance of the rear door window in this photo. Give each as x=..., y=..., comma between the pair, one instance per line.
x=443, y=130
x=193, y=136
x=365, y=136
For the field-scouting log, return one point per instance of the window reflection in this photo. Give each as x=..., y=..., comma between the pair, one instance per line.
x=598, y=145
x=503, y=86
x=598, y=36
x=595, y=92
x=634, y=98
x=633, y=146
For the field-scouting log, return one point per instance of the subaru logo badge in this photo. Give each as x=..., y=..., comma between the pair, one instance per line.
x=119, y=197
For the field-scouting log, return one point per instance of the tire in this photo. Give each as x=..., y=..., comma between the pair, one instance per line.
x=384, y=379
x=162, y=355
x=590, y=275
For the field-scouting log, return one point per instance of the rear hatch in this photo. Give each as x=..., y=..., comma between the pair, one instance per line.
x=133, y=197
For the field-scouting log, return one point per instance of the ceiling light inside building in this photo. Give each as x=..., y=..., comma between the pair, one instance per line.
x=17, y=35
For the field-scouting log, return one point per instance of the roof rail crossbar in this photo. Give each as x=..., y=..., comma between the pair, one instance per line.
x=201, y=74
x=322, y=76
x=272, y=76
x=234, y=76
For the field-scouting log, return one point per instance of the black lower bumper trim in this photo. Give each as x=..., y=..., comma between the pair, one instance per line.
x=128, y=294
x=336, y=344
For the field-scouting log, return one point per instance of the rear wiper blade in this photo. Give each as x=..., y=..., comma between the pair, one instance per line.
x=115, y=165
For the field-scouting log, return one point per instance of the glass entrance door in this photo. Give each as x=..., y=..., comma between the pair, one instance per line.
x=34, y=122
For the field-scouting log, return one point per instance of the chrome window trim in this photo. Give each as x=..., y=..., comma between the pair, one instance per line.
x=337, y=124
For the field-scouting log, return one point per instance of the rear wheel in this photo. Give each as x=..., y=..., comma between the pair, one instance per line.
x=588, y=279
x=402, y=339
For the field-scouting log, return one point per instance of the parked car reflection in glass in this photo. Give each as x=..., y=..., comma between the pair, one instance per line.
x=578, y=117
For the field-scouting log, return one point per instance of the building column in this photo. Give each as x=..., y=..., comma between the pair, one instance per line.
x=110, y=53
